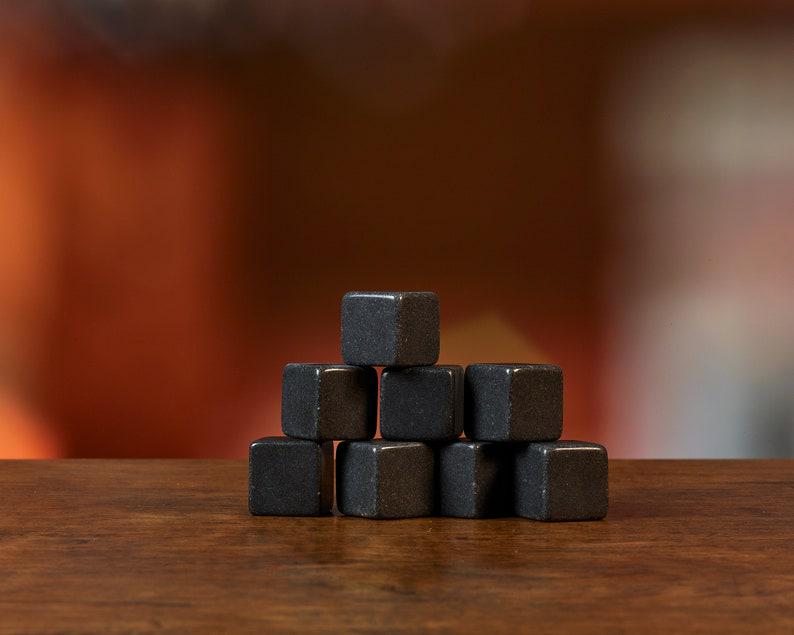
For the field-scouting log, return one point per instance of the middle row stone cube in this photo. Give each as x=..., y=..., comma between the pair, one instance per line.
x=422, y=403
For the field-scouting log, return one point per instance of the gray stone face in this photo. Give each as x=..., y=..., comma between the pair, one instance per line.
x=513, y=402
x=384, y=479
x=474, y=479
x=329, y=401
x=290, y=477
x=390, y=328
x=421, y=403
x=561, y=480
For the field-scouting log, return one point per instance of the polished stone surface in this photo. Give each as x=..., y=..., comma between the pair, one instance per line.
x=290, y=477
x=474, y=479
x=384, y=479
x=329, y=401
x=561, y=480
x=390, y=328
x=513, y=402
x=421, y=403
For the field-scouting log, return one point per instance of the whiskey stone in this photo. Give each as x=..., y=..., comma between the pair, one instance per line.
x=290, y=477
x=326, y=401
x=421, y=403
x=513, y=402
x=562, y=480
x=474, y=479
x=384, y=479
x=390, y=328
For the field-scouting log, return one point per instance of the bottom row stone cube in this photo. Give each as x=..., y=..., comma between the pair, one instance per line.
x=561, y=480
x=384, y=479
x=473, y=479
x=290, y=477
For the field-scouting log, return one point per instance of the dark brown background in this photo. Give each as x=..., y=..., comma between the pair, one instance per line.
x=182, y=215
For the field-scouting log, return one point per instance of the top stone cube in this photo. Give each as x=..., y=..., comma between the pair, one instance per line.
x=390, y=328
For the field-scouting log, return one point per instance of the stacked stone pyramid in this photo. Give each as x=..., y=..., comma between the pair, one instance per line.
x=510, y=463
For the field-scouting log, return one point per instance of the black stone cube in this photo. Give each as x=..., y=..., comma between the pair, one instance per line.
x=513, y=402
x=561, y=480
x=384, y=479
x=474, y=479
x=290, y=477
x=390, y=328
x=421, y=403
x=327, y=401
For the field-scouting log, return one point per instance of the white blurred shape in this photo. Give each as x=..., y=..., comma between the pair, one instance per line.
x=702, y=294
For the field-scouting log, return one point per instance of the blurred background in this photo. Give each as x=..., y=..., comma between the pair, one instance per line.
x=187, y=188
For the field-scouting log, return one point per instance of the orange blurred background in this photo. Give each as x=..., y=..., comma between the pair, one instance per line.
x=188, y=188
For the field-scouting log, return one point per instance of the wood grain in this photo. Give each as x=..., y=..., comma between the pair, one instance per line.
x=168, y=546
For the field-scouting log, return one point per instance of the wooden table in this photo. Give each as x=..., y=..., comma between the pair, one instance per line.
x=168, y=546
